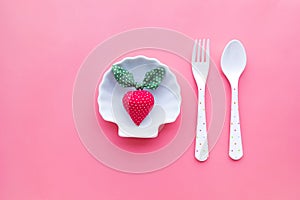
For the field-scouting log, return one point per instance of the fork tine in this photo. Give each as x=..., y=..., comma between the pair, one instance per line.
x=199, y=50
x=203, y=50
x=207, y=50
x=194, y=51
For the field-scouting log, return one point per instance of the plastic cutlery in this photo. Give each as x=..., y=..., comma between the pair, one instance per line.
x=200, y=68
x=233, y=63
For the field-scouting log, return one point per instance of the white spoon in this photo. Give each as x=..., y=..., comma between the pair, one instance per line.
x=233, y=63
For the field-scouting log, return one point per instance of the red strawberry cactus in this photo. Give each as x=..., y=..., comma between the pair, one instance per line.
x=138, y=103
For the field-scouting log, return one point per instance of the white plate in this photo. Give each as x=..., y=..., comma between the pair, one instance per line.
x=166, y=106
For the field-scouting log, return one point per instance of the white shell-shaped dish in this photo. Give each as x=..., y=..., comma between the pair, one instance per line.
x=166, y=106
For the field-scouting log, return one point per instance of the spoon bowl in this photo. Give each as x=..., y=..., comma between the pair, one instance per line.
x=233, y=61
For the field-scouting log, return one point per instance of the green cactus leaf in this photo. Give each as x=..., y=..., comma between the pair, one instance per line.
x=123, y=77
x=153, y=78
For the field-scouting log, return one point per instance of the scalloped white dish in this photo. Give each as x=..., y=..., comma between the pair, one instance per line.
x=166, y=106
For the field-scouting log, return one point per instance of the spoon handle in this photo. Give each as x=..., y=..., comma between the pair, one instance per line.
x=201, y=148
x=235, y=140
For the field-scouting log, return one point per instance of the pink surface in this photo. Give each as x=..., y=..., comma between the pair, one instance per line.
x=43, y=44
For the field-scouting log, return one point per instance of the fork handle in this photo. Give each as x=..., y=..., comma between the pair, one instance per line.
x=235, y=138
x=201, y=146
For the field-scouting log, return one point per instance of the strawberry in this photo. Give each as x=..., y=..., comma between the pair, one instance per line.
x=138, y=103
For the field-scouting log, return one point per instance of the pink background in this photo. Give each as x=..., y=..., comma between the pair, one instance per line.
x=43, y=43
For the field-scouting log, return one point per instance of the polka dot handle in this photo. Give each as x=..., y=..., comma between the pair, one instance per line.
x=201, y=145
x=235, y=138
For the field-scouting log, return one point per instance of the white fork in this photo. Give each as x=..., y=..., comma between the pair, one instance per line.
x=200, y=68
